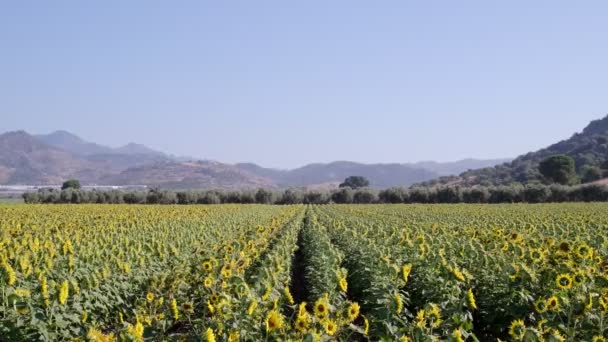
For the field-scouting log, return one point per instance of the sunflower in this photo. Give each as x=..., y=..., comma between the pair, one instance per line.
x=301, y=324
x=598, y=339
x=421, y=318
x=564, y=247
x=215, y=298
x=434, y=315
x=579, y=278
x=188, y=308
x=517, y=329
x=458, y=274
x=541, y=326
x=251, y=308
x=537, y=255
x=457, y=336
x=209, y=335
x=274, y=321
x=63, y=293
x=207, y=267
x=352, y=312
x=406, y=270
x=471, y=300
x=564, y=281
x=288, y=295
x=365, y=326
x=321, y=308
x=174, y=310
x=22, y=293
x=540, y=306
x=398, y=303
x=302, y=310
x=330, y=328
x=343, y=284
x=553, y=303
x=150, y=297
x=404, y=339
x=555, y=335
x=234, y=336
x=208, y=282
x=583, y=251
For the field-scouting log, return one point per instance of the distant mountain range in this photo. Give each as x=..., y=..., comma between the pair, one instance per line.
x=52, y=158
x=589, y=149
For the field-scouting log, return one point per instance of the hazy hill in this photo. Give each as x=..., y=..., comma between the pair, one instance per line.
x=111, y=160
x=188, y=175
x=588, y=148
x=24, y=159
x=74, y=144
x=380, y=175
x=53, y=158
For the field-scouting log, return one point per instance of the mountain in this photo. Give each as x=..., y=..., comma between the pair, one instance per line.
x=380, y=175
x=72, y=143
x=188, y=175
x=589, y=149
x=112, y=160
x=52, y=158
x=26, y=160
x=138, y=149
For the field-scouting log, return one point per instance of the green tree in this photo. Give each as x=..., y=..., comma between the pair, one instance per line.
x=591, y=174
x=355, y=182
x=558, y=169
x=71, y=184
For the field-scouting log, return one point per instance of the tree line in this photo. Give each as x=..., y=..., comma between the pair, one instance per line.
x=532, y=193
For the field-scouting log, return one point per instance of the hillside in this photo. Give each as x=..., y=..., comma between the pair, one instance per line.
x=24, y=159
x=380, y=175
x=588, y=148
x=52, y=158
x=189, y=175
x=457, y=167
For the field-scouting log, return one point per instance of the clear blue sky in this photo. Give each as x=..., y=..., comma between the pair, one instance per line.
x=284, y=83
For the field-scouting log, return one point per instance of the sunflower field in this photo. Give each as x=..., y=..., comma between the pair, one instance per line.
x=233, y=272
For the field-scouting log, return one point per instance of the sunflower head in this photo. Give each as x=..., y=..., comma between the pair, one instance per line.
x=330, y=328
x=207, y=266
x=517, y=329
x=540, y=306
x=564, y=281
x=553, y=303
x=301, y=324
x=352, y=312
x=321, y=308
x=274, y=321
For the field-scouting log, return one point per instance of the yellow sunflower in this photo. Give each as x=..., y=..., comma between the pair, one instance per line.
x=321, y=308
x=207, y=267
x=434, y=316
x=517, y=329
x=352, y=311
x=471, y=300
x=330, y=328
x=564, y=281
x=301, y=324
x=553, y=303
x=274, y=321
x=540, y=306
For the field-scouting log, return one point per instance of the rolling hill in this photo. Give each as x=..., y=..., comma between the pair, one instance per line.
x=52, y=158
x=589, y=149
